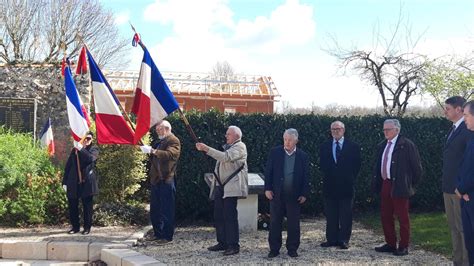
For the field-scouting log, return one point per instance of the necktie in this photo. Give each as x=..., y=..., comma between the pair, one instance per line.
x=453, y=128
x=385, y=161
x=338, y=151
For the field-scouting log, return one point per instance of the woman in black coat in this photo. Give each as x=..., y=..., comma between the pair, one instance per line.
x=81, y=184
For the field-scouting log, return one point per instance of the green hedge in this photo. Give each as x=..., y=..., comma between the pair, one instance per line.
x=263, y=131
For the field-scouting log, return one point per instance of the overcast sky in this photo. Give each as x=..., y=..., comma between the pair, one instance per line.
x=285, y=39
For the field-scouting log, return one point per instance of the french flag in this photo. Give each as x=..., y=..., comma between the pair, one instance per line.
x=76, y=112
x=46, y=137
x=110, y=124
x=153, y=99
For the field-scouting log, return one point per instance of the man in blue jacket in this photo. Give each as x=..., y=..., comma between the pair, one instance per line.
x=287, y=187
x=465, y=187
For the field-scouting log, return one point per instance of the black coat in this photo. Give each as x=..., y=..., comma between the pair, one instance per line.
x=405, y=168
x=453, y=151
x=274, y=172
x=87, y=158
x=339, y=179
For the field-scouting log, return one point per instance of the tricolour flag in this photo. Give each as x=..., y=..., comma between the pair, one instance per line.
x=76, y=112
x=110, y=124
x=153, y=99
x=46, y=137
x=81, y=67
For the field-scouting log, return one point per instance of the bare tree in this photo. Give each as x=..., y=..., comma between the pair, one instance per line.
x=391, y=66
x=42, y=30
x=223, y=71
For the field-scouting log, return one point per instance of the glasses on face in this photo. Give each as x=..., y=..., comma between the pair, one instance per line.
x=88, y=139
x=336, y=129
x=388, y=129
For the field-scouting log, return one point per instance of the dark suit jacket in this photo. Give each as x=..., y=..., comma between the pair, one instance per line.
x=87, y=158
x=274, y=172
x=164, y=160
x=452, y=156
x=339, y=179
x=405, y=168
x=466, y=173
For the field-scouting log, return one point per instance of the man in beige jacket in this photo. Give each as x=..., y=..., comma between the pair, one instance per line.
x=230, y=183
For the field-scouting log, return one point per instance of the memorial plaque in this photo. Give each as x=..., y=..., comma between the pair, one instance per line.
x=18, y=114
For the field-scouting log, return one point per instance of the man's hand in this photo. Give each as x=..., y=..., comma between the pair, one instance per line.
x=465, y=197
x=301, y=199
x=202, y=147
x=78, y=145
x=146, y=149
x=65, y=188
x=457, y=193
x=269, y=194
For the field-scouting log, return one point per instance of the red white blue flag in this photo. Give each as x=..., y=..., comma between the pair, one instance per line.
x=76, y=112
x=46, y=137
x=109, y=121
x=153, y=99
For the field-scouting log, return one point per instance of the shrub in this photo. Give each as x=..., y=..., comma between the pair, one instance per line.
x=112, y=214
x=30, y=186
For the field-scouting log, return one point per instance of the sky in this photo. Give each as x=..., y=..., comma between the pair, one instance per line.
x=288, y=39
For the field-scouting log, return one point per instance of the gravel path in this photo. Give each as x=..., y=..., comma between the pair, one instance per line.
x=190, y=243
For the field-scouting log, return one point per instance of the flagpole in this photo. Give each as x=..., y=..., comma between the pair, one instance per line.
x=181, y=114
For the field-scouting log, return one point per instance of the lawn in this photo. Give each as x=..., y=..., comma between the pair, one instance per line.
x=429, y=231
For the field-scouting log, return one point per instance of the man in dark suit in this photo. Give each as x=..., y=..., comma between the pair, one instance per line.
x=454, y=147
x=397, y=171
x=287, y=187
x=465, y=186
x=340, y=163
x=164, y=157
x=81, y=184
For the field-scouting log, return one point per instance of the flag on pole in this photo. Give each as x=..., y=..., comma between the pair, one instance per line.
x=76, y=112
x=81, y=67
x=153, y=99
x=46, y=137
x=110, y=123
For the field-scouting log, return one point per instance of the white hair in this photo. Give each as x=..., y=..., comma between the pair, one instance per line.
x=338, y=123
x=236, y=130
x=291, y=131
x=395, y=123
x=165, y=124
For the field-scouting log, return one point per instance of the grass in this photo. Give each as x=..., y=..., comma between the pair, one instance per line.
x=429, y=231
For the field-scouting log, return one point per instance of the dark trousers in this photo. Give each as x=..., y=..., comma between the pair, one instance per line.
x=162, y=209
x=338, y=219
x=226, y=219
x=87, y=204
x=467, y=215
x=390, y=207
x=279, y=208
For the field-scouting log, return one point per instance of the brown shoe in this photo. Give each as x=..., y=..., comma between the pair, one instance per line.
x=161, y=242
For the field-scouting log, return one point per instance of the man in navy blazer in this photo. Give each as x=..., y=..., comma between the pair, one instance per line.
x=340, y=163
x=453, y=151
x=465, y=186
x=287, y=187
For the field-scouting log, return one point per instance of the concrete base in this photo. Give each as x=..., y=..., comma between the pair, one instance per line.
x=25, y=250
x=68, y=251
x=248, y=213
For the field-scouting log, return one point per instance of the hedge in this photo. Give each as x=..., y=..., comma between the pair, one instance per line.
x=263, y=131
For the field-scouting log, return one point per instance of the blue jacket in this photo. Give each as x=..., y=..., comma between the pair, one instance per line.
x=274, y=172
x=466, y=173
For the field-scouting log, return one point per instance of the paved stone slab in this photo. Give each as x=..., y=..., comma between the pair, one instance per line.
x=68, y=251
x=25, y=250
x=113, y=257
x=140, y=260
x=95, y=249
x=54, y=263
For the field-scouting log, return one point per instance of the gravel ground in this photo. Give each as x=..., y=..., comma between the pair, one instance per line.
x=190, y=247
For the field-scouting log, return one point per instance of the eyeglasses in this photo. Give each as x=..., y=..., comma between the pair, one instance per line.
x=388, y=129
x=337, y=129
x=88, y=138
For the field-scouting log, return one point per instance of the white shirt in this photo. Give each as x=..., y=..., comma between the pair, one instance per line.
x=341, y=141
x=389, y=158
x=290, y=153
x=456, y=125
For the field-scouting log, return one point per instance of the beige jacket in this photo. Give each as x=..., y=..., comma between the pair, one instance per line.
x=229, y=161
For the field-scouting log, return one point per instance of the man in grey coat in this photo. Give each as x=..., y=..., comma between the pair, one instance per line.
x=453, y=151
x=230, y=183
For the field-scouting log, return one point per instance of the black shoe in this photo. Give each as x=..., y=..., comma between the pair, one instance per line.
x=328, y=244
x=231, y=251
x=162, y=242
x=86, y=231
x=401, y=252
x=73, y=231
x=218, y=247
x=385, y=248
x=273, y=254
x=292, y=253
x=344, y=245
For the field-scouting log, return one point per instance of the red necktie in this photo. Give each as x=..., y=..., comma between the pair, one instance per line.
x=385, y=161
